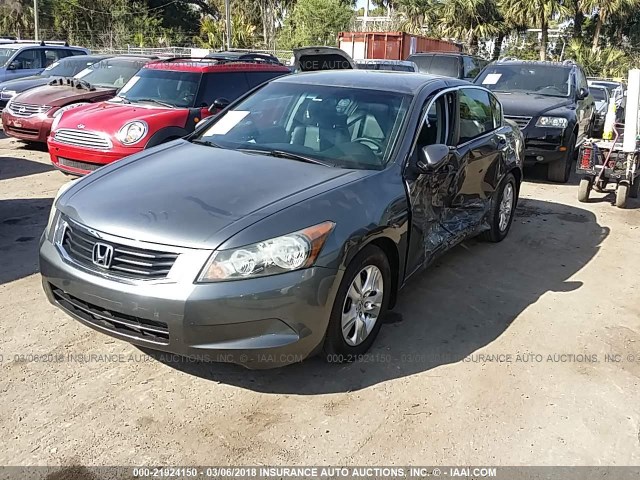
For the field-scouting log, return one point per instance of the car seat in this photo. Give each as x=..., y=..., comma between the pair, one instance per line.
x=322, y=127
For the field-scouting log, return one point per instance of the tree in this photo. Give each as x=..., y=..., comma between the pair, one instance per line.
x=469, y=19
x=415, y=12
x=537, y=13
x=606, y=9
x=315, y=22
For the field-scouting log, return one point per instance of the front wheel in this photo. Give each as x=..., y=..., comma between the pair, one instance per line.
x=502, y=210
x=362, y=300
x=560, y=170
x=584, y=189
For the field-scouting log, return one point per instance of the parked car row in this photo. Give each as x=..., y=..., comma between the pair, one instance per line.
x=285, y=223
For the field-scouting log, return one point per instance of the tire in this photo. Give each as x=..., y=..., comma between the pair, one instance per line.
x=622, y=193
x=499, y=225
x=560, y=170
x=342, y=347
x=584, y=189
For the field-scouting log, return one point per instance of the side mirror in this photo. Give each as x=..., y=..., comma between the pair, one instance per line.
x=432, y=158
x=12, y=66
x=218, y=104
x=583, y=93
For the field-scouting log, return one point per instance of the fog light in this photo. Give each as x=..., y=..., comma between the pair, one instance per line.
x=563, y=149
x=539, y=158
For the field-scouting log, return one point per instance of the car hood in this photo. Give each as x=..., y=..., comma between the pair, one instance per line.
x=194, y=196
x=530, y=104
x=24, y=83
x=60, y=95
x=109, y=117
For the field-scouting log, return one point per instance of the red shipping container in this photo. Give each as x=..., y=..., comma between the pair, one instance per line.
x=390, y=45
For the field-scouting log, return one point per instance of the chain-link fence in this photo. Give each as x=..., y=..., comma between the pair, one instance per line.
x=283, y=55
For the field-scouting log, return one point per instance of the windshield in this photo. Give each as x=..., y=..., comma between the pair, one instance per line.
x=345, y=127
x=5, y=55
x=548, y=80
x=174, y=88
x=598, y=94
x=66, y=68
x=111, y=73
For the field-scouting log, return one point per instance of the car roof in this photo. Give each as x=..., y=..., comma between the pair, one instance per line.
x=451, y=54
x=17, y=46
x=80, y=58
x=400, y=82
x=206, y=65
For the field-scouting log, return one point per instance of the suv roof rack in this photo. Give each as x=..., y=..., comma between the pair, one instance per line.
x=249, y=58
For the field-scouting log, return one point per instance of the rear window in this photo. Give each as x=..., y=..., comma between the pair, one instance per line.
x=310, y=63
x=448, y=66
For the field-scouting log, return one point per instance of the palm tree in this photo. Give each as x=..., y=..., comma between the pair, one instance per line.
x=606, y=9
x=415, y=12
x=535, y=12
x=470, y=19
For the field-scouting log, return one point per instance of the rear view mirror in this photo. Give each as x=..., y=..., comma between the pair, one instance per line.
x=433, y=157
x=219, y=104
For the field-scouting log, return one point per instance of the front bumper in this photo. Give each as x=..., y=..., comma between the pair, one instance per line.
x=35, y=128
x=545, y=144
x=258, y=323
x=81, y=161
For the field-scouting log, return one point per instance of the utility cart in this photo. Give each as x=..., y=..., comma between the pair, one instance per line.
x=601, y=162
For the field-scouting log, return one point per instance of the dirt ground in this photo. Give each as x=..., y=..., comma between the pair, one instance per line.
x=521, y=353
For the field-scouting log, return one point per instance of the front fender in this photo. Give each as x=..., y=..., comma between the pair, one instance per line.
x=164, y=134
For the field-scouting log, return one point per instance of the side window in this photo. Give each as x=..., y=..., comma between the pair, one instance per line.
x=476, y=115
x=29, y=58
x=257, y=78
x=52, y=55
x=229, y=85
x=496, y=108
x=435, y=128
x=471, y=67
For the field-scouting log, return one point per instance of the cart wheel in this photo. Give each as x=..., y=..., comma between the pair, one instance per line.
x=635, y=187
x=585, y=189
x=622, y=194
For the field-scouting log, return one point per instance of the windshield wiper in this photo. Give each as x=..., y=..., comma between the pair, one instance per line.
x=153, y=100
x=285, y=154
x=207, y=143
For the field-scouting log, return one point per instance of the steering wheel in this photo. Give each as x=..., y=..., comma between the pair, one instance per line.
x=372, y=143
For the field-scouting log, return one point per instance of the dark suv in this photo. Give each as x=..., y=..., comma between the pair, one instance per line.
x=449, y=64
x=551, y=104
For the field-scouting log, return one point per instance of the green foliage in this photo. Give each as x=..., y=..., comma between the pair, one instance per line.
x=315, y=22
x=609, y=62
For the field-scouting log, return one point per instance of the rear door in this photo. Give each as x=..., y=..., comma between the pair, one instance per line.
x=479, y=143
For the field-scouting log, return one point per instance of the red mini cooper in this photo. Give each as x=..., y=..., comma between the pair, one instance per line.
x=162, y=102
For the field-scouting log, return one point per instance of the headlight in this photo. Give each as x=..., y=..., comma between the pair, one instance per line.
x=60, y=111
x=52, y=214
x=556, y=122
x=132, y=132
x=289, y=252
x=8, y=94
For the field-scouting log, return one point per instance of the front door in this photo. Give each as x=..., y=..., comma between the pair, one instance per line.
x=431, y=195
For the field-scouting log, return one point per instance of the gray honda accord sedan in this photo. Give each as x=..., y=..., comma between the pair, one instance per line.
x=286, y=224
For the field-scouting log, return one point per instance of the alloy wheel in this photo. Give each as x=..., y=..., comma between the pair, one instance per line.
x=362, y=305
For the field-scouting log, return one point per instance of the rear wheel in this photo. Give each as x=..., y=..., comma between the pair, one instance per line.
x=560, y=170
x=585, y=189
x=622, y=194
x=361, y=302
x=502, y=210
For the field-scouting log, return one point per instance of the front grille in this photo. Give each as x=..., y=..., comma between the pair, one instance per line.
x=32, y=132
x=67, y=162
x=83, y=138
x=20, y=109
x=129, y=262
x=150, y=330
x=522, y=122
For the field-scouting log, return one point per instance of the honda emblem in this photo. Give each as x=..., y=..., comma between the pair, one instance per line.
x=102, y=255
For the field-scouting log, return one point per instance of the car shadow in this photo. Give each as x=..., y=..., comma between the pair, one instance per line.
x=465, y=301
x=12, y=167
x=21, y=224
x=537, y=173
